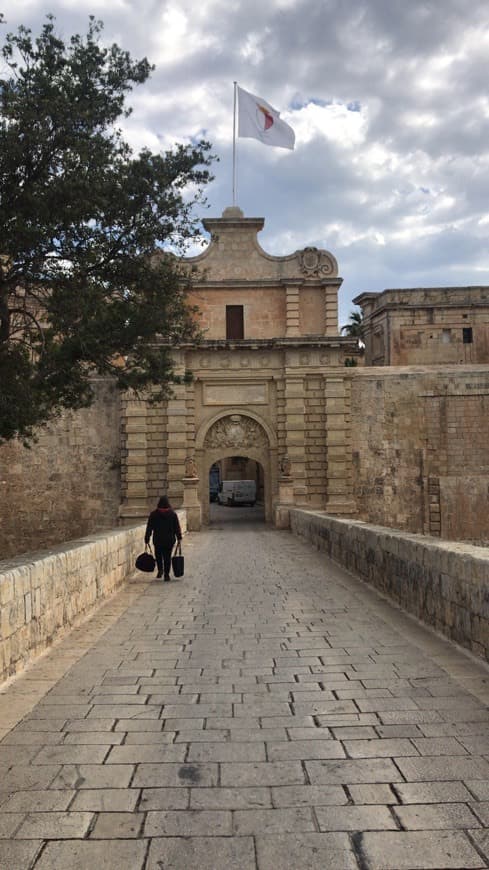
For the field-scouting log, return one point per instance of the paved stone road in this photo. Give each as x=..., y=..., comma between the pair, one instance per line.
x=267, y=712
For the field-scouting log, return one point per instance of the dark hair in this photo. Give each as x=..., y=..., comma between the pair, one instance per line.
x=163, y=502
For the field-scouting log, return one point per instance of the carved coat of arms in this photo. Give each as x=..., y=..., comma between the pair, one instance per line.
x=236, y=431
x=315, y=263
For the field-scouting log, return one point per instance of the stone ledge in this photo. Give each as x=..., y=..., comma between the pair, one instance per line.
x=445, y=584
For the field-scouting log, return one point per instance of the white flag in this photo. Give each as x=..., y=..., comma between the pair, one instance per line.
x=258, y=120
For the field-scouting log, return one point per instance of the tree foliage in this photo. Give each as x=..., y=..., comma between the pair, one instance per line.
x=85, y=284
x=354, y=328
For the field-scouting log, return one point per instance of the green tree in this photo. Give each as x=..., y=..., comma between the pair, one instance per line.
x=87, y=285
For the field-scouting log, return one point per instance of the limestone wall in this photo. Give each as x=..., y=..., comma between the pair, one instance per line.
x=442, y=583
x=427, y=326
x=43, y=595
x=67, y=484
x=420, y=448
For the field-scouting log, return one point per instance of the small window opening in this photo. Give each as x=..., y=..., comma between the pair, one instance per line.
x=467, y=335
x=234, y=322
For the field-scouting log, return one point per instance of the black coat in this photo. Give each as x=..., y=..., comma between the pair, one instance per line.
x=164, y=525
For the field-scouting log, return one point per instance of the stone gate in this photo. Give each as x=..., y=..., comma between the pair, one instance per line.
x=269, y=382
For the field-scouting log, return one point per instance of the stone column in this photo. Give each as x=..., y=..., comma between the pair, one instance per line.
x=292, y=309
x=134, y=461
x=339, y=489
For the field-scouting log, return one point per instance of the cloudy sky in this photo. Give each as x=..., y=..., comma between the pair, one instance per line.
x=389, y=100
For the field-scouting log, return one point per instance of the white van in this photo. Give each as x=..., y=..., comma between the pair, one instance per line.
x=232, y=492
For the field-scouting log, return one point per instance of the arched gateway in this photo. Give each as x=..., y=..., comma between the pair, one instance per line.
x=234, y=432
x=269, y=383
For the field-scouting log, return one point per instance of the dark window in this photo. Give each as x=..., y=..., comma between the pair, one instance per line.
x=467, y=335
x=234, y=321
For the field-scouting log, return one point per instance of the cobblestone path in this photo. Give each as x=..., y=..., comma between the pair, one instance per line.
x=267, y=711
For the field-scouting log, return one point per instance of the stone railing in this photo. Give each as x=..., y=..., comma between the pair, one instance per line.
x=43, y=594
x=443, y=583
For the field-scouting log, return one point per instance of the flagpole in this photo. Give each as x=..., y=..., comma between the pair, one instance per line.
x=234, y=145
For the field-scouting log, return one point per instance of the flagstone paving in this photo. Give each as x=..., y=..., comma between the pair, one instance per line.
x=267, y=712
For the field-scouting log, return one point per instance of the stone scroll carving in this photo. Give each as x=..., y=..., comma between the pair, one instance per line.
x=236, y=431
x=315, y=263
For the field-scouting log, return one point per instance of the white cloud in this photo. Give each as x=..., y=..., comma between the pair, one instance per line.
x=388, y=99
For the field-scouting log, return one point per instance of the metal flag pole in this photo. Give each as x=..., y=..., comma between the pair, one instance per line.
x=234, y=145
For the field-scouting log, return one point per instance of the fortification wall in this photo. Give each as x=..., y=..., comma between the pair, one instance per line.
x=67, y=484
x=420, y=448
x=444, y=584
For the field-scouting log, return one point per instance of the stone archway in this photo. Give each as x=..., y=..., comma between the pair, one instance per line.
x=227, y=434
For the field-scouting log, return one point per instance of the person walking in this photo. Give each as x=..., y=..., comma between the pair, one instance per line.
x=164, y=525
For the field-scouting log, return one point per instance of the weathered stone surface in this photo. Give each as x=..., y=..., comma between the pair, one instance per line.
x=192, y=823
x=80, y=854
x=112, y=800
x=54, y=826
x=265, y=777
x=206, y=853
x=314, y=851
x=432, y=817
x=18, y=854
x=420, y=850
x=69, y=466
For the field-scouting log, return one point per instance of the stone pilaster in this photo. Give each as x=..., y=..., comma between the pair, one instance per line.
x=295, y=423
x=177, y=434
x=135, y=494
x=292, y=314
x=339, y=490
x=331, y=308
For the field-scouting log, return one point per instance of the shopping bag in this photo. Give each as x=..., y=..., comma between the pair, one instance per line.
x=177, y=561
x=146, y=561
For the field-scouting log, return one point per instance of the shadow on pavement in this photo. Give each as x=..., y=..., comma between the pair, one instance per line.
x=222, y=516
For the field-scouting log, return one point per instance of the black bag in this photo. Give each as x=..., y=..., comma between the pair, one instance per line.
x=177, y=561
x=146, y=561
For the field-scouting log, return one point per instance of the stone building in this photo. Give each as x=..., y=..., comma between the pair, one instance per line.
x=426, y=325
x=268, y=383
x=400, y=441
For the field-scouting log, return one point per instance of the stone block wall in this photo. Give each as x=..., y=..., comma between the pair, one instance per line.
x=427, y=326
x=420, y=449
x=67, y=484
x=44, y=595
x=444, y=584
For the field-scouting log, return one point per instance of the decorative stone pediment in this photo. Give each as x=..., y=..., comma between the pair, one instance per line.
x=315, y=263
x=236, y=431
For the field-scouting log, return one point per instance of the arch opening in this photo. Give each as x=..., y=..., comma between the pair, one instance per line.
x=236, y=491
x=231, y=448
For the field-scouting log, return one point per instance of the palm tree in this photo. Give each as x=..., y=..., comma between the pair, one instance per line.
x=355, y=327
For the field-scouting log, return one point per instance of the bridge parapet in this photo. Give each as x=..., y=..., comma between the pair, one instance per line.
x=444, y=584
x=44, y=594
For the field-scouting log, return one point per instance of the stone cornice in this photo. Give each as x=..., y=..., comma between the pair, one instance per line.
x=260, y=344
x=263, y=283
